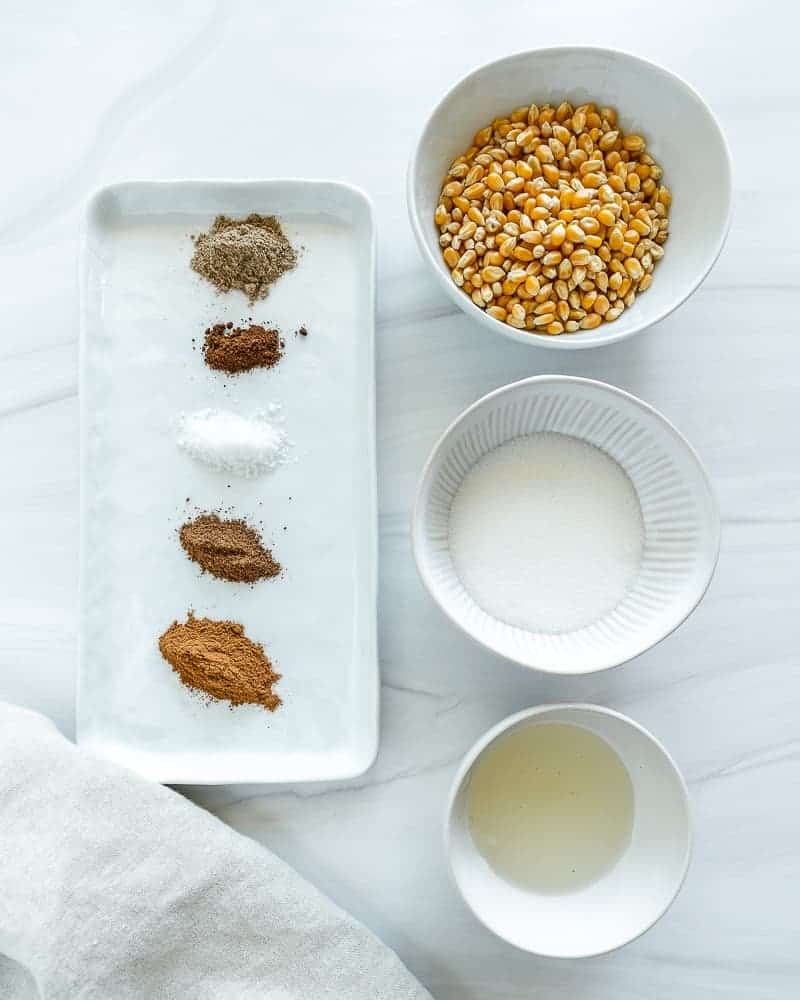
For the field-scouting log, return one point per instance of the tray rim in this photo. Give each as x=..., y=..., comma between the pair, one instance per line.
x=181, y=776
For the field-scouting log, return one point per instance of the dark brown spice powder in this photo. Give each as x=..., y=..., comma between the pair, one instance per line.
x=228, y=549
x=241, y=349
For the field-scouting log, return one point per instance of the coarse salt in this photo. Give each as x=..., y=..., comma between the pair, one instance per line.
x=244, y=446
x=546, y=533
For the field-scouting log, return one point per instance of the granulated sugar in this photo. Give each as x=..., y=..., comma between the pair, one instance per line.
x=232, y=443
x=546, y=533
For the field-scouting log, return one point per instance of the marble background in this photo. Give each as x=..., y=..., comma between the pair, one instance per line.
x=95, y=92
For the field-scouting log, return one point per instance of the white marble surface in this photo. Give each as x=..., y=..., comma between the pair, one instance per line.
x=95, y=92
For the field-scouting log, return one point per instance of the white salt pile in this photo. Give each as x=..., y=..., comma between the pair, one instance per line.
x=546, y=533
x=244, y=446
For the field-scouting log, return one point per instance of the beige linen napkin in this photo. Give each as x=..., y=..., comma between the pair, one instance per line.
x=116, y=888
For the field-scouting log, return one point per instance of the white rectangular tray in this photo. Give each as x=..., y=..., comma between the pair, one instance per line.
x=143, y=315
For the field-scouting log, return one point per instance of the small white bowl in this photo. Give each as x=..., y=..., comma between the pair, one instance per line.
x=682, y=134
x=623, y=903
x=681, y=520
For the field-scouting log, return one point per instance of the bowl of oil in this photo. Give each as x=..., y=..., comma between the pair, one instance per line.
x=567, y=830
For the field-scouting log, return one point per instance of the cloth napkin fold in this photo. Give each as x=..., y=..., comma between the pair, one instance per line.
x=115, y=888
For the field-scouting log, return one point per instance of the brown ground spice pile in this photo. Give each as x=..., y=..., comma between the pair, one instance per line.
x=241, y=349
x=228, y=549
x=217, y=659
x=249, y=254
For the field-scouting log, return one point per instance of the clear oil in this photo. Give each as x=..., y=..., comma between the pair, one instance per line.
x=550, y=807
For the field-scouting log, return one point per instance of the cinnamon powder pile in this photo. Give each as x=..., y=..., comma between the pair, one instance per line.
x=217, y=659
x=241, y=349
x=228, y=549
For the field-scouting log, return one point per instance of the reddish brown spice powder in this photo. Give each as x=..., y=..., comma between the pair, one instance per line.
x=241, y=349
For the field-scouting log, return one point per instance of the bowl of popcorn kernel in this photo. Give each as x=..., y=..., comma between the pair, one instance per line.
x=570, y=197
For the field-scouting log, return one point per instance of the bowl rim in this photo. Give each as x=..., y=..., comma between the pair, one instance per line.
x=472, y=755
x=531, y=382
x=575, y=341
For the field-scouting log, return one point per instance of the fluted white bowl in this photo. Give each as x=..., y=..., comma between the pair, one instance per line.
x=681, y=132
x=679, y=511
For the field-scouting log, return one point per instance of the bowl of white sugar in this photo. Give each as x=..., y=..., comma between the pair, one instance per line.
x=565, y=525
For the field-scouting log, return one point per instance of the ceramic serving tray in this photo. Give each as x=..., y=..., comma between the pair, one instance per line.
x=143, y=315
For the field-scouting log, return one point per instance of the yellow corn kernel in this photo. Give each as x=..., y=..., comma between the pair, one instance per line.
x=574, y=233
x=606, y=217
x=557, y=235
x=524, y=170
x=550, y=173
x=591, y=322
x=594, y=165
x=634, y=268
x=601, y=305
x=607, y=141
x=508, y=246
x=633, y=144
x=492, y=273
x=450, y=257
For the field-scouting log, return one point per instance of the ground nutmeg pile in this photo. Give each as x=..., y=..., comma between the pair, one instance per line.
x=241, y=349
x=228, y=549
x=217, y=659
x=248, y=254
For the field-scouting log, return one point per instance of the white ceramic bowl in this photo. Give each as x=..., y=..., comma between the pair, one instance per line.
x=623, y=903
x=681, y=520
x=681, y=132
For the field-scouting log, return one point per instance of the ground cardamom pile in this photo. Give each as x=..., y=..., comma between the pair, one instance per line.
x=240, y=349
x=228, y=549
x=249, y=254
x=217, y=659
